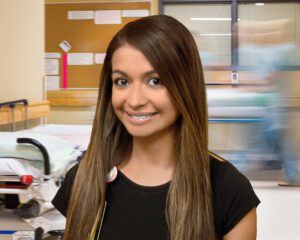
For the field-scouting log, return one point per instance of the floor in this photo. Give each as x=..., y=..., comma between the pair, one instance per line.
x=279, y=212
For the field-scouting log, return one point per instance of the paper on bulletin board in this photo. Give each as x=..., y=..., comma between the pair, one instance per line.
x=52, y=83
x=135, y=13
x=80, y=58
x=99, y=58
x=52, y=55
x=51, y=66
x=80, y=15
x=108, y=17
x=65, y=46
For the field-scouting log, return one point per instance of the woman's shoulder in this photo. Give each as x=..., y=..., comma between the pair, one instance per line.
x=71, y=173
x=61, y=199
x=233, y=195
x=223, y=172
x=226, y=179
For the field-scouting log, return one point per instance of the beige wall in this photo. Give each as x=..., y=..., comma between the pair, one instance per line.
x=22, y=49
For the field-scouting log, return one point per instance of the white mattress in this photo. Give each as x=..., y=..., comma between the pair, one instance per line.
x=15, y=166
x=79, y=135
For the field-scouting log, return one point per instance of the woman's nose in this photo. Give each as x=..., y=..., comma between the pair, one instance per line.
x=136, y=97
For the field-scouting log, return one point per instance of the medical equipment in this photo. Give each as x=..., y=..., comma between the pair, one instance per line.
x=33, y=163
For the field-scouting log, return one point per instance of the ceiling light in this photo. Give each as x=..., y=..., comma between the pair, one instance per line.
x=210, y=19
x=215, y=34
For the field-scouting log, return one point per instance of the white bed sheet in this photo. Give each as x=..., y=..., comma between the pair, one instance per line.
x=79, y=135
x=15, y=166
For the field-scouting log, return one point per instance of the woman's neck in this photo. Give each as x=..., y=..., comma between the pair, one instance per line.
x=151, y=161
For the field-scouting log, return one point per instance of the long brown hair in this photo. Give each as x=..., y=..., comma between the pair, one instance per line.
x=171, y=50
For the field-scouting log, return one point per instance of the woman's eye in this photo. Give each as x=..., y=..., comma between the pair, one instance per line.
x=154, y=82
x=121, y=82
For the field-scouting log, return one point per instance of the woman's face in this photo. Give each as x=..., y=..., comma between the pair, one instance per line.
x=140, y=100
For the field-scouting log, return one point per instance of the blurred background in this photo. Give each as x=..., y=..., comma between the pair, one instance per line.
x=251, y=56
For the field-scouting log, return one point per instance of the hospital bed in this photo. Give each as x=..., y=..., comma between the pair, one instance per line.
x=33, y=163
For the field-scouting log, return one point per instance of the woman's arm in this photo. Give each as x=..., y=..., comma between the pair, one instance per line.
x=245, y=229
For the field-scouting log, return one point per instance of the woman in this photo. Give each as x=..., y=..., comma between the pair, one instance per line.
x=151, y=123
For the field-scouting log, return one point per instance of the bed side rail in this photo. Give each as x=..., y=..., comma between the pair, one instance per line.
x=41, y=148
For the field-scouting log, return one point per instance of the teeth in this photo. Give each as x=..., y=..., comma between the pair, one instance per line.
x=141, y=117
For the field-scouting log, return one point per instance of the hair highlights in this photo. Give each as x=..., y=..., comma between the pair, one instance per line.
x=171, y=50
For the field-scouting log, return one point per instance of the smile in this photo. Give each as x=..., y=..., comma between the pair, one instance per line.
x=140, y=117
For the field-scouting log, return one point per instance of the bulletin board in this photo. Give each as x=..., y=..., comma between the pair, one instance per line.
x=84, y=36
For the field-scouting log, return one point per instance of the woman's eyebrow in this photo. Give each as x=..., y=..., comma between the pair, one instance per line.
x=119, y=72
x=151, y=72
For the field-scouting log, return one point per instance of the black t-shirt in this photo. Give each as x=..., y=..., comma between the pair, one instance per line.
x=136, y=212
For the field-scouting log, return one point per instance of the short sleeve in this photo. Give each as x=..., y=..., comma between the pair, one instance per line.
x=61, y=199
x=234, y=197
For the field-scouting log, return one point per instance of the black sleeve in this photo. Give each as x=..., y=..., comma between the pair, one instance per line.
x=235, y=197
x=61, y=199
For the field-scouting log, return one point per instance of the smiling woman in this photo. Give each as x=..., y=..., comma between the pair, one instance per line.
x=140, y=100
x=150, y=128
